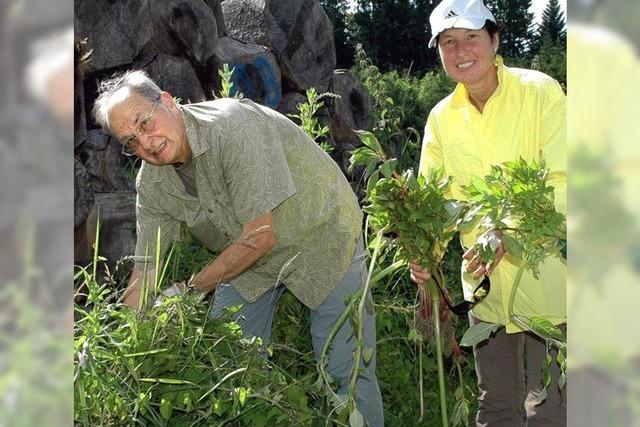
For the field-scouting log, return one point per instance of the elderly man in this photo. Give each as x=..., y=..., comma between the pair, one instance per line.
x=251, y=185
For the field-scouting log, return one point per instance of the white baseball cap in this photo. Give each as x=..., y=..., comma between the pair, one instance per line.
x=469, y=14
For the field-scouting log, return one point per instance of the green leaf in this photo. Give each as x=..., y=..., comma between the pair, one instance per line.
x=386, y=169
x=218, y=409
x=144, y=399
x=478, y=333
x=546, y=371
x=356, y=419
x=367, y=354
x=414, y=336
x=542, y=396
x=165, y=381
x=242, y=395
x=545, y=328
x=188, y=403
x=369, y=139
x=166, y=409
x=512, y=246
x=479, y=185
x=562, y=381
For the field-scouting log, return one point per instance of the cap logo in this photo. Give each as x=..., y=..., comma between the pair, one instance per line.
x=451, y=14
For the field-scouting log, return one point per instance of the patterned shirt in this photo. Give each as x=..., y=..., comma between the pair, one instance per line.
x=250, y=160
x=525, y=117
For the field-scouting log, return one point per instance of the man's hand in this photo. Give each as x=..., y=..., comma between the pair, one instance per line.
x=418, y=274
x=479, y=267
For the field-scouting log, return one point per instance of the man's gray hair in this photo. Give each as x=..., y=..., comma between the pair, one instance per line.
x=135, y=81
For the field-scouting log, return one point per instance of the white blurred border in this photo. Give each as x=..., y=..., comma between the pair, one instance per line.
x=36, y=213
x=604, y=225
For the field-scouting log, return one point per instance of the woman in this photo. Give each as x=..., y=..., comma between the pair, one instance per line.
x=497, y=114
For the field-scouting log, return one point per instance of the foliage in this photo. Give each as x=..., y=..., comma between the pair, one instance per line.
x=174, y=365
x=516, y=26
x=552, y=60
x=227, y=90
x=415, y=213
x=336, y=10
x=552, y=28
x=401, y=103
x=549, y=45
x=395, y=33
x=308, y=121
x=516, y=201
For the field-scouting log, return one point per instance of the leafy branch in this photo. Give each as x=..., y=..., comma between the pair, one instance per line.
x=514, y=205
x=420, y=220
x=307, y=116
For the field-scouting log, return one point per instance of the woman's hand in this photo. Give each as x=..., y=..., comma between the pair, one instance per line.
x=479, y=267
x=418, y=274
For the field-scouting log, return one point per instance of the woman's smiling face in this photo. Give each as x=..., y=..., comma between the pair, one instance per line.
x=468, y=55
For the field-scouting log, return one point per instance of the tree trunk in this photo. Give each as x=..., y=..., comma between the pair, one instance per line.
x=351, y=111
x=83, y=195
x=116, y=31
x=290, y=101
x=108, y=169
x=307, y=53
x=216, y=7
x=300, y=34
x=176, y=76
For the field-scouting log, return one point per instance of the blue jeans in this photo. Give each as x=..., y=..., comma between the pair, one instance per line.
x=256, y=318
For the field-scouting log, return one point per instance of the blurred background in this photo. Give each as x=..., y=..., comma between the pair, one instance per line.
x=604, y=249
x=36, y=212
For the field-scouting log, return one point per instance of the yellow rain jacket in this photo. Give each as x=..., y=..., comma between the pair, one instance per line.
x=525, y=117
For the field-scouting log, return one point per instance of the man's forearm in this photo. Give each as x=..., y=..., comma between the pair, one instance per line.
x=132, y=294
x=256, y=239
x=232, y=262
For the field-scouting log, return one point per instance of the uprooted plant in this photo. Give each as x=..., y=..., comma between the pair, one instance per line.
x=515, y=204
x=416, y=215
x=172, y=364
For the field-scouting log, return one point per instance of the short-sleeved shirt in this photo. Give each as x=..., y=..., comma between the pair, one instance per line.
x=250, y=160
x=525, y=117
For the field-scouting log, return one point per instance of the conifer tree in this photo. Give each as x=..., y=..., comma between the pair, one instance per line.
x=552, y=29
x=516, y=23
x=336, y=10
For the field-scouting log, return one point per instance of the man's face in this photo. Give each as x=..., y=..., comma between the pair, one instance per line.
x=468, y=55
x=155, y=132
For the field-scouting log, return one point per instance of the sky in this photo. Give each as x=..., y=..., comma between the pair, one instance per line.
x=537, y=7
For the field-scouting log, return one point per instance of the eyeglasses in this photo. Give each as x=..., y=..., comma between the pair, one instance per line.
x=479, y=293
x=131, y=144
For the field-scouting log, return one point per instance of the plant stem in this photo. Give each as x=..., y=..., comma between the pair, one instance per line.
x=514, y=287
x=421, y=385
x=360, y=316
x=436, y=322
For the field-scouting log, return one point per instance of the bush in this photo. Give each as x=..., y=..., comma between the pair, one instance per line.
x=173, y=365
